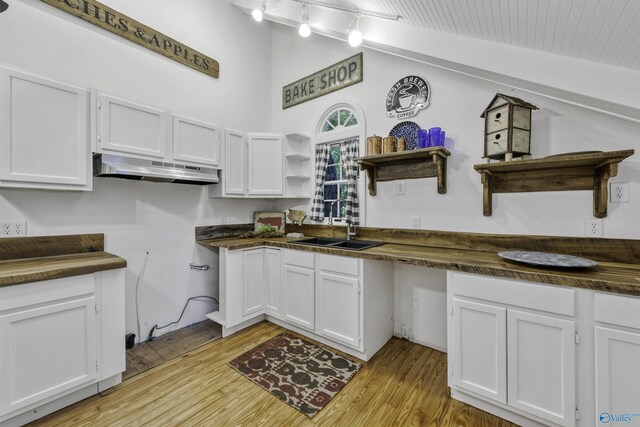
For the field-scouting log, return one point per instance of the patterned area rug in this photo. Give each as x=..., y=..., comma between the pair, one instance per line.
x=296, y=371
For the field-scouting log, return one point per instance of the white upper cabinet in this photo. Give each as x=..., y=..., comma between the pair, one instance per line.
x=235, y=171
x=266, y=164
x=128, y=127
x=196, y=142
x=44, y=133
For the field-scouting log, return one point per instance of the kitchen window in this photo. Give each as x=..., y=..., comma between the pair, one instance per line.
x=336, y=172
x=335, y=185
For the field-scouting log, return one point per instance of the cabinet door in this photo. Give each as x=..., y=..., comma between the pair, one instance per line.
x=338, y=306
x=479, y=349
x=196, y=142
x=253, y=281
x=235, y=169
x=266, y=165
x=44, y=133
x=298, y=296
x=541, y=355
x=127, y=127
x=273, y=302
x=617, y=372
x=45, y=351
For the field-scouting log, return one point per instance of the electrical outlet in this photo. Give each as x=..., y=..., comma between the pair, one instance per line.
x=415, y=222
x=619, y=192
x=13, y=228
x=593, y=227
x=400, y=188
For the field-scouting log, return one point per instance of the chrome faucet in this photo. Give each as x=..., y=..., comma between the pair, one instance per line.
x=350, y=233
x=331, y=209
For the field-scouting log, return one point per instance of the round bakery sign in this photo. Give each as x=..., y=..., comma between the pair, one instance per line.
x=408, y=96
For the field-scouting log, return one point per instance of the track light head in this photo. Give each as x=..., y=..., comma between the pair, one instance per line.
x=259, y=12
x=305, y=27
x=355, y=36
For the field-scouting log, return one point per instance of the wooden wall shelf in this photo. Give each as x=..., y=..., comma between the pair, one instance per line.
x=411, y=164
x=590, y=171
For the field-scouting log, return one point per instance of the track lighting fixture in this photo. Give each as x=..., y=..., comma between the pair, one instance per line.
x=257, y=13
x=355, y=36
x=305, y=28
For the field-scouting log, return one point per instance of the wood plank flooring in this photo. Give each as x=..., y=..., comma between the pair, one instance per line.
x=405, y=384
x=149, y=354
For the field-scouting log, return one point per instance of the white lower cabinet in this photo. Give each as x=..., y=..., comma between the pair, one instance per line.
x=617, y=358
x=249, y=280
x=338, y=305
x=298, y=295
x=503, y=352
x=65, y=332
x=342, y=301
x=273, y=302
x=480, y=361
x=541, y=366
x=253, y=280
x=58, y=337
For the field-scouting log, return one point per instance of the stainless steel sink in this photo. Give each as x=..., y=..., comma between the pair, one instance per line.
x=328, y=242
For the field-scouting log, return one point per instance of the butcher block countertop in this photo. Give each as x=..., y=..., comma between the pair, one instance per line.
x=618, y=276
x=32, y=259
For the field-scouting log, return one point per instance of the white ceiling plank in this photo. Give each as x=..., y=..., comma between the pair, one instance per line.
x=560, y=29
x=603, y=31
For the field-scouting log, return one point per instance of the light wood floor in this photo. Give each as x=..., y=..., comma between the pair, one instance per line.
x=405, y=384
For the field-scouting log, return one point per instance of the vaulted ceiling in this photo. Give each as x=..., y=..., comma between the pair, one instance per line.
x=605, y=31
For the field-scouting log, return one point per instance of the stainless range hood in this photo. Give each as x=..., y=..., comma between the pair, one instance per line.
x=111, y=166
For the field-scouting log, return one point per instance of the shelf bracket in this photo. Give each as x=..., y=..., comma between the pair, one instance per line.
x=411, y=164
x=600, y=188
x=487, y=193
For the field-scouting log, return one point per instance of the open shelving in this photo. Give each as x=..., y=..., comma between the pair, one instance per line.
x=298, y=155
x=569, y=172
x=410, y=164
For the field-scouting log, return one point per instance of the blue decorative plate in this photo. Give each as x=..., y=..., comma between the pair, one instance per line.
x=407, y=130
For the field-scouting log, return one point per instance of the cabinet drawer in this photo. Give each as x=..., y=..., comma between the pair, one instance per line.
x=552, y=299
x=28, y=294
x=617, y=310
x=300, y=258
x=339, y=264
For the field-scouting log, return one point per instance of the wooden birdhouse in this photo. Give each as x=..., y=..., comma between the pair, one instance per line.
x=507, y=128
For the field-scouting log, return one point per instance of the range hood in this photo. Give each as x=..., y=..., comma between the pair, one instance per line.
x=108, y=165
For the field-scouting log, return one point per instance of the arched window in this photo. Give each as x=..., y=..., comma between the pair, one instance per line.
x=339, y=132
x=338, y=119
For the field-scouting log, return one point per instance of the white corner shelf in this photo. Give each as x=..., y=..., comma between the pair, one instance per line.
x=298, y=157
x=217, y=317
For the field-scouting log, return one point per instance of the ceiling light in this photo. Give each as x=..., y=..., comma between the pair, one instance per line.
x=257, y=13
x=305, y=28
x=355, y=36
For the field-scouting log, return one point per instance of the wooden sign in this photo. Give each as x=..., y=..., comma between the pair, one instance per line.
x=335, y=77
x=132, y=30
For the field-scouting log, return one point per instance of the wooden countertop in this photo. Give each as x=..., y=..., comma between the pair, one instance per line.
x=623, y=278
x=32, y=259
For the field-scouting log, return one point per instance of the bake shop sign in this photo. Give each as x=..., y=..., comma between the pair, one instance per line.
x=407, y=97
x=121, y=25
x=335, y=77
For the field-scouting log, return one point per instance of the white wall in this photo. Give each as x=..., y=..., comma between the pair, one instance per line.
x=138, y=216
x=456, y=104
